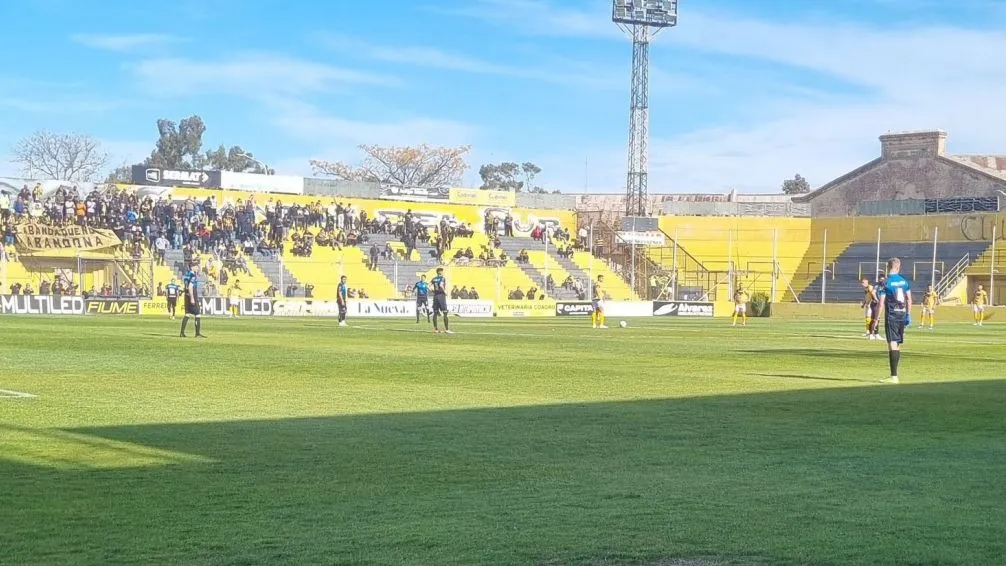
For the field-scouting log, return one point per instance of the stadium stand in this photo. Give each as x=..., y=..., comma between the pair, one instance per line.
x=860, y=260
x=982, y=265
x=275, y=266
x=715, y=252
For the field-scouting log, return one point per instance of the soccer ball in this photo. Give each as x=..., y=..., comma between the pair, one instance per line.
x=623, y=324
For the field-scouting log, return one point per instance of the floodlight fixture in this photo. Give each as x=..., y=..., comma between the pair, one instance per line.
x=640, y=19
x=653, y=13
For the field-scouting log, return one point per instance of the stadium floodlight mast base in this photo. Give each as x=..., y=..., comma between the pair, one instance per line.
x=641, y=20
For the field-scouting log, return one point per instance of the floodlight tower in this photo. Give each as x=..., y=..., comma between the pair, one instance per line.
x=640, y=19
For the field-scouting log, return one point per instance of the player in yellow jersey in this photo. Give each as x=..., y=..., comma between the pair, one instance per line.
x=871, y=302
x=980, y=300
x=741, y=298
x=929, y=302
x=597, y=315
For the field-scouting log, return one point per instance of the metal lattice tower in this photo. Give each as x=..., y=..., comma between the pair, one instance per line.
x=641, y=19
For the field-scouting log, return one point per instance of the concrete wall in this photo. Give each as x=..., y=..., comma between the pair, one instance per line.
x=903, y=178
x=337, y=187
x=948, y=227
x=549, y=201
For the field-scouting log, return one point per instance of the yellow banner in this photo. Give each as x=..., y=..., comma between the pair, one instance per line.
x=478, y=197
x=525, y=308
x=158, y=307
x=33, y=237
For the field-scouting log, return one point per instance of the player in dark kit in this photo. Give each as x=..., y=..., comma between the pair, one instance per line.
x=422, y=289
x=171, y=292
x=896, y=302
x=190, y=285
x=440, y=301
x=342, y=299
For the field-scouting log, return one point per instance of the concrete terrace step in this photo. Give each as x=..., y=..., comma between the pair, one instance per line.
x=279, y=276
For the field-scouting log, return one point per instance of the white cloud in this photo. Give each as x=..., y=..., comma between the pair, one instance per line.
x=125, y=42
x=543, y=69
x=46, y=103
x=833, y=89
x=542, y=18
x=337, y=137
x=251, y=74
x=306, y=121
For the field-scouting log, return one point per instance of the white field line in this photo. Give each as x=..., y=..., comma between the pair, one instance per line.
x=15, y=394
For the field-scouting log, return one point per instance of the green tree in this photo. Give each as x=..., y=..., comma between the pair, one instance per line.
x=234, y=159
x=796, y=186
x=121, y=174
x=503, y=176
x=179, y=146
x=509, y=176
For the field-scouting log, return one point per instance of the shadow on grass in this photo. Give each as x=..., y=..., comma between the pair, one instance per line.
x=905, y=474
x=879, y=349
x=811, y=377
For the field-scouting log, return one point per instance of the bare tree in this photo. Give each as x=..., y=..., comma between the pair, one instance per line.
x=411, y=166
x=64, y=157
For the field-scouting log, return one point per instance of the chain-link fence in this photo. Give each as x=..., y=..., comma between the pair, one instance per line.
x=94, y=276
x=539, y=275
x=834, y=267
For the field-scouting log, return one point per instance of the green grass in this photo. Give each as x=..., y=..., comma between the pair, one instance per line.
x=512, y=442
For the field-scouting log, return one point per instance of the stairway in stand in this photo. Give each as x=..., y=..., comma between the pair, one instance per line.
x=278, y=275
x=543, y=261
x=407, y=272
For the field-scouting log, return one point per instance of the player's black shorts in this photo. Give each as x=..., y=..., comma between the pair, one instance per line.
x=172, y=303
x=894, y=327
x=192, y=307
x=343, y=309
x=439, y=304
x=422, y=301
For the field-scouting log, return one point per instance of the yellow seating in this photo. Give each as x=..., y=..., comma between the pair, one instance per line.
x=13, y=272
x=614, y=285
x=326, y=265
x=547, y=265
x=251, y=282
x=492, y=283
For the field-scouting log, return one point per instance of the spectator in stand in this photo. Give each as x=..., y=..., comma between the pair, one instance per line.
x=455, y=293
x=473, y=294
x=161, y=245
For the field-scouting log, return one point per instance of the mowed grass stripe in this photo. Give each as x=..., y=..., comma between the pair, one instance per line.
x=534, y=441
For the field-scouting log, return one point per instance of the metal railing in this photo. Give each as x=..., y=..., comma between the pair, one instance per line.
x=953, y=276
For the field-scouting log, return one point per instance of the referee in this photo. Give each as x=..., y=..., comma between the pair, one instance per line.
x=191, y=289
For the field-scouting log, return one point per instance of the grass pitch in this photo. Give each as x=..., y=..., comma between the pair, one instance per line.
x=512, y=442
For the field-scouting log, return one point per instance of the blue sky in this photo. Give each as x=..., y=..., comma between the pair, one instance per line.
x=743, y=94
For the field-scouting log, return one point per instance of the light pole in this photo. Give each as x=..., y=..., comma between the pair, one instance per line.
x=640, y=21
x=265, y=169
